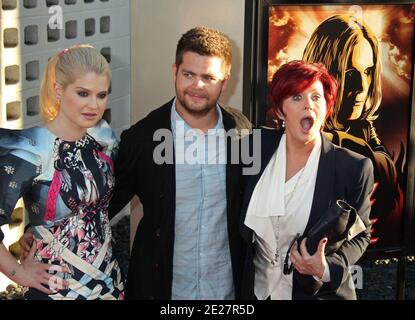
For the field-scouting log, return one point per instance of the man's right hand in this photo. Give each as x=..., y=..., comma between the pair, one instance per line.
x=26, y=241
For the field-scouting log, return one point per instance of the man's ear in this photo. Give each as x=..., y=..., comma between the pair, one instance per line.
x=174, y=69
x=225, y=81
x=58, y=91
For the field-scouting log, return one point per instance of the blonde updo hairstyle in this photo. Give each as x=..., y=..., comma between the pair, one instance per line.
x=64, y=68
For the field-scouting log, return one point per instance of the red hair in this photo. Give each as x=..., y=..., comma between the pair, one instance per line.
x=293, y=78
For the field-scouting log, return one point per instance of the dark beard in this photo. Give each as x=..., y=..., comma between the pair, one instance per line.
x=196, y=113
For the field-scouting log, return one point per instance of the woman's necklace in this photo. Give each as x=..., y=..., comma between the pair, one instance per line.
x=277, y=229
x=295, y=187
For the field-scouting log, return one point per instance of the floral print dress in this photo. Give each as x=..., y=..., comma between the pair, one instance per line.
x=66, y=187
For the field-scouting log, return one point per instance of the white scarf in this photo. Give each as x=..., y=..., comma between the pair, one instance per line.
x=268, y=202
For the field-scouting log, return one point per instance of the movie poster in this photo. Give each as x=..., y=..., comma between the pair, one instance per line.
x=369, y=50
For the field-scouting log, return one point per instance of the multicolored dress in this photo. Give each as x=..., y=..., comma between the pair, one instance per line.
x=66, y=187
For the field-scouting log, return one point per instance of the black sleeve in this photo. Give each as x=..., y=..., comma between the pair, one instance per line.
x=125, y=166
x=351, y=251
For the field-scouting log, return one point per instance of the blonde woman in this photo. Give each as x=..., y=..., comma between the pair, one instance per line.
x=64, y=172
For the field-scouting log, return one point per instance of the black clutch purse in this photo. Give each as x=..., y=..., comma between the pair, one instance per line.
x=334, y=225
x=339, y=223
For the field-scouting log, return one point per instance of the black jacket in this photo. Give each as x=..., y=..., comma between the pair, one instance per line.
x=151, y=263
x=342, y=174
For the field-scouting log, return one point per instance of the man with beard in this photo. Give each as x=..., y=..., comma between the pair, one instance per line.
x=187, y=244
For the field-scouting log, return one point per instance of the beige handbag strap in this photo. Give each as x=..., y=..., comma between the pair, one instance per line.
x=70, y=257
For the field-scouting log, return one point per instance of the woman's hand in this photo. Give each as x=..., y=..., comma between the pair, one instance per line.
x=32, y=273
x=305, y=263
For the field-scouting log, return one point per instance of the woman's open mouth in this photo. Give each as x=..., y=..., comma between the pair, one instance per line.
x=307, y=123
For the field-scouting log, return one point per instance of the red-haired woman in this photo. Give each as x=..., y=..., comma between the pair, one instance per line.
x=301, y=174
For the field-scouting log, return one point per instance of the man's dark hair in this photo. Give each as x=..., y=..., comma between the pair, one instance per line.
x=205, y=42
